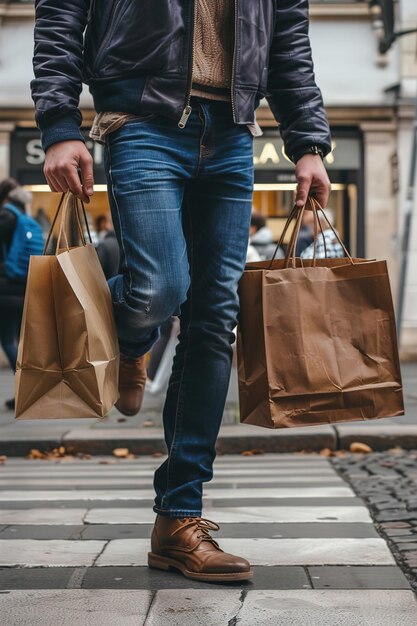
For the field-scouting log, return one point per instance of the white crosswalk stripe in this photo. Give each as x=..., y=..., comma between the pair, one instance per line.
x=100, y=500
x=23, y=482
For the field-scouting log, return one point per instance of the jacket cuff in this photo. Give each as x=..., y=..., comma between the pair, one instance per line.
x=60, y=129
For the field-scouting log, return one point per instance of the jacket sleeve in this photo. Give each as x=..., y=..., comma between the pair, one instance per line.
x=293, y=96
x=57, y=65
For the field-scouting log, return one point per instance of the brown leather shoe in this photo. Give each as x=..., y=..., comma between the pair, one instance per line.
x=132, y=379
x=186, y=545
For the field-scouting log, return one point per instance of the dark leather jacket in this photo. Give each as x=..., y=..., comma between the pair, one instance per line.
x=136, y=56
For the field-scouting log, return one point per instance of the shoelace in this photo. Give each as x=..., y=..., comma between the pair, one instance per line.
x=203, y=524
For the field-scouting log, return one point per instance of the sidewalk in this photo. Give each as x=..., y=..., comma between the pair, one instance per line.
x=143, y=434
x=74, y=537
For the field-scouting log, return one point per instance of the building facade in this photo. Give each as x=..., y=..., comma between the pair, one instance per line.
x=369, y=100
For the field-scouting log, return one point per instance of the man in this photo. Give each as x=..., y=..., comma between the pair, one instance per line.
x=327, y=244
x=261, y=238
x=175, y=85
x=15, y=201
x=108, y=249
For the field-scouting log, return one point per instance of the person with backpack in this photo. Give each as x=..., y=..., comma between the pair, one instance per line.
x=175, y=87
x=20, y=236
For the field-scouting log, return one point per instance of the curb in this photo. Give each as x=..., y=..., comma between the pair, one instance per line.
x=232, y=440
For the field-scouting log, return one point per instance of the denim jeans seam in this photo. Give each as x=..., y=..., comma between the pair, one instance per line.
x=116, y=204
x=178, y=410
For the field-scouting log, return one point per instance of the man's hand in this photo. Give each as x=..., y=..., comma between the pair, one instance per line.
x=312, y=180
x=62, y=162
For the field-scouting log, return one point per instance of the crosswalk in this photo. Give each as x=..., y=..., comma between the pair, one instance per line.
x=70, y=531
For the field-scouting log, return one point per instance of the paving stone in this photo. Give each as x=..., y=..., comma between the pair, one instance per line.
x=187, y=608
x=398, y=515
x=397, y=532
x=293, y=501
x=388, y=506
x=246, y=514
x=48, y=553
x=406, y=539
x=35, y=578
x=361, y=577
x=146, y=578
x=404, y=547
x=75, y=607
x=262, y=529
x=146, y=505
x=42, y=532
x=42, y=516
x=328, y=608
x=395, y=525
x=311, y=551
x=145, y=494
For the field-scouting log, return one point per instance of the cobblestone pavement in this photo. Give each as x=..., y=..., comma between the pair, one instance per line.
x=387, y=482
x=74, y=537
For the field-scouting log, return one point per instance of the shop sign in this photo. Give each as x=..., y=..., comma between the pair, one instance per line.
x=27, y=156
x=269, y=154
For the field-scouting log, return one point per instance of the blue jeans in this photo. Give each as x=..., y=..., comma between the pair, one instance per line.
x=181, y=202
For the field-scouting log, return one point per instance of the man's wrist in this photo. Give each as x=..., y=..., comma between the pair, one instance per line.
x=312, y=149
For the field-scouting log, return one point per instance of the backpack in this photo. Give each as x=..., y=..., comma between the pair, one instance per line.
x=27, y=240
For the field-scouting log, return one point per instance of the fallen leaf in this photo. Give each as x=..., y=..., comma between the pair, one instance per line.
x=358, y=446
x=121, y=452
x=35, y=454
x=326, y=452
x=3, y=459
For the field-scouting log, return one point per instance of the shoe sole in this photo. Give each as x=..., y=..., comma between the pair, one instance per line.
x=165, y=563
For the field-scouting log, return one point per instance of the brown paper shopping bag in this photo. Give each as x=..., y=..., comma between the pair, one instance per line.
x=316, y=341
x=68, y=355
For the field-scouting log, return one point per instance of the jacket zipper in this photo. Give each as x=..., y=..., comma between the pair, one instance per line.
x=232, y=85
x=108, y=35
x=187, y=108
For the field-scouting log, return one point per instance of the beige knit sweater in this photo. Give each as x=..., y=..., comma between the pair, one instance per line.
x=213, y=49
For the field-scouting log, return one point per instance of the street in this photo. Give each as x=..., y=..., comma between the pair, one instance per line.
x=74, y=537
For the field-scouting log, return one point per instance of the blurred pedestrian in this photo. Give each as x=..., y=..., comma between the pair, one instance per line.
x=20, y=236
x=102, y=224
x=43, y=221
x=327, y=244
x=261, y=238
x=176, y=113
x=108, y=247
x=305, y=236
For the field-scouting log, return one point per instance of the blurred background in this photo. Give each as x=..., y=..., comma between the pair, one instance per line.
x=366, y=66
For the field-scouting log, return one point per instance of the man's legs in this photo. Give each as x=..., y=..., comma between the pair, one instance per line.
x=145, y=183
x=180, y=197
x=216, y=216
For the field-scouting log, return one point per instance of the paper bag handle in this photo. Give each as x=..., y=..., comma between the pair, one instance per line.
x=298, y=212
x=63, y=204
